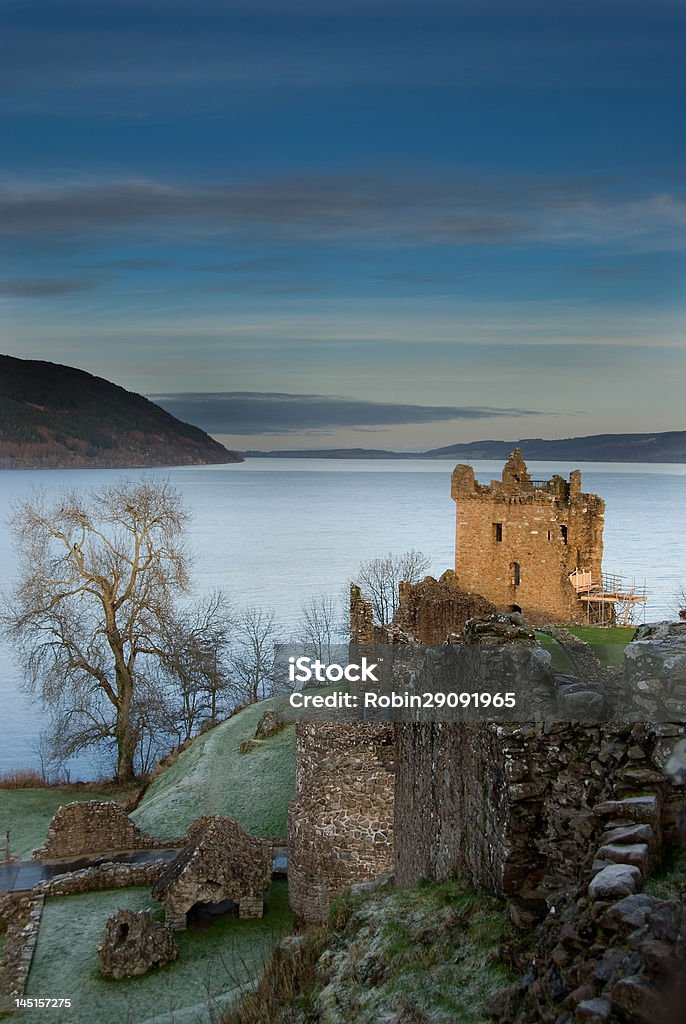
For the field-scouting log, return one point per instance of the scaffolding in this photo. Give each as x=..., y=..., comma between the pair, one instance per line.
x=611, y=600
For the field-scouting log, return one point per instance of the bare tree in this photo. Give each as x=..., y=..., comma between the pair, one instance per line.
x=195, y=663
x=99, y=575
x=255, y=634
x=379, y=579
x=320, y=625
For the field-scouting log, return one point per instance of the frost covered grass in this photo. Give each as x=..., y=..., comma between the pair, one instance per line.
x=430, y=954
x=213, y=968
x=213, y=777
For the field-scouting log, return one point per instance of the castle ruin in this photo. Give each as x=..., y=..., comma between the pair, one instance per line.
x=518, y=541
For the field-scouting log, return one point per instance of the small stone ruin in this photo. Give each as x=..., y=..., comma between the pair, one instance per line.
x=133, y=944
x=95, y=827
x=221, y=862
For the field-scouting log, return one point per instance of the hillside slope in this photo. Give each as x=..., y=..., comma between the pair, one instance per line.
x=54, y=416
x=213, y=777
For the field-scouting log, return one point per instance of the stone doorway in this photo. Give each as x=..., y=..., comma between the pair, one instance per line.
x=202, y=916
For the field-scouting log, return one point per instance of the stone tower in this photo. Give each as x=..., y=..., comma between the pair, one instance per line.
x=517, y=540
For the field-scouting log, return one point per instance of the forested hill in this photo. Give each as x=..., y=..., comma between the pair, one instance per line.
x=54, y=416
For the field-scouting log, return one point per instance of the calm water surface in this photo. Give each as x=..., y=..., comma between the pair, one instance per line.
x=275, y=531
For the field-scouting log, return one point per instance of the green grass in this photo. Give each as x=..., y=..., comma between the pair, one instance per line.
x=212, y=967
x=213, y=777
x=560, y=661
x=608, y=642
x=669, y=881
x=27, y=813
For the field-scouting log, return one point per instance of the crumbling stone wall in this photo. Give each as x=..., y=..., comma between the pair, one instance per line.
x=511, y=808
x=520, y=809
x=20, y=916
x=340, y=825
x=94, y=827
x=362, y=629
x=432, y=609
x=517, y=540
x=105, y=876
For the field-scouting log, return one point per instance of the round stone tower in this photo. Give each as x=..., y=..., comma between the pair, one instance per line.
x=340, y=825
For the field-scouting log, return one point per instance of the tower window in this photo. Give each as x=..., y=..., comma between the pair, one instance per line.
x=498, y=532
x=563, y=531
x=516, y=574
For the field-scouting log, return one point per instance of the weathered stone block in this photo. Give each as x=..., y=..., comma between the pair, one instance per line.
x=614, y=882
x=133, y=944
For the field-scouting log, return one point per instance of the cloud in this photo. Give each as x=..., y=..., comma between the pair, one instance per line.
x=375, y=211
x=251, y=412
x=46, y=287
x=128, y=55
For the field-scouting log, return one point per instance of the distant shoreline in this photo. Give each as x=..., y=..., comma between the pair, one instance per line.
x=667, y=447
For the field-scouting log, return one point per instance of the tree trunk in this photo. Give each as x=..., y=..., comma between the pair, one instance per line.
x=126, y=737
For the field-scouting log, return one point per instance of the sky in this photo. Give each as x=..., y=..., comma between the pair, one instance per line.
x=388, y=224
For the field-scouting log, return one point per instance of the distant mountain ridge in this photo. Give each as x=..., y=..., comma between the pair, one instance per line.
x=669, y=446
x=58, y=417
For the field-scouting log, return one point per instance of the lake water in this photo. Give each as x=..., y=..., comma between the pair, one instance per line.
x=275, y=531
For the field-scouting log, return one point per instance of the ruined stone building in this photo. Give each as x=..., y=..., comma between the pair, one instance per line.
x=518, y=540
x=221, y=862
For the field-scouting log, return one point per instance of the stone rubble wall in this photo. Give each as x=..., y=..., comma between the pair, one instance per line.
x=432, y=609
x=105, y=876
x=20, y=916
x=93, y=827
x=361, y=617
x=515, y=808
x=340, y=825
x=609, y=953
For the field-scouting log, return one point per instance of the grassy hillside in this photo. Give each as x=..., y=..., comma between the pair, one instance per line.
x=213, y=777
x=210, y=973
x=55, y=416
x=426, y=954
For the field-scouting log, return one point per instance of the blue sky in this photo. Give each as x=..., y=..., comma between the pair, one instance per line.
x=434, y=221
